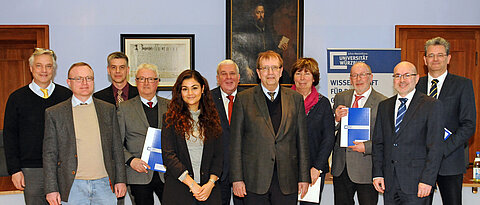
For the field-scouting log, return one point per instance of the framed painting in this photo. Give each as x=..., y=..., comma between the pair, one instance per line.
x=171, y=53
x=255, y=26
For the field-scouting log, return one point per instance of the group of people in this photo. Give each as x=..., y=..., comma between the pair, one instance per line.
x=267, y=144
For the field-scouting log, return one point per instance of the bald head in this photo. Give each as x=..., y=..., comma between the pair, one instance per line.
x=405, y=78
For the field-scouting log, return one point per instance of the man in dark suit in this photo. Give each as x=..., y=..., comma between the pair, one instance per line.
x=407, y=141
x=352, y=166
x=135, y=116
x=120, y=90
x=228, y=78
x=456, y=94
x=82, y=149
x=269, y=157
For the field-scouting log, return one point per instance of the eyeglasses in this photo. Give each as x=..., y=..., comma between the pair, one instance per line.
x=39, y=51
x=439, y=55
x=149, y=80
x=81, y=79
x=273, y=68
x=361, y=75
x=405, y=76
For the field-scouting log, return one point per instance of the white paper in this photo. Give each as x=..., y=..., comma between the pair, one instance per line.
x=313, y=193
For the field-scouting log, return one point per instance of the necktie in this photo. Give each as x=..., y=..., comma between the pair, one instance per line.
x=150, y=104
x=401, y=112
x=272, y=96
x=45, y=92
x=230, y=107
x=433, y=90
x=83, y=103
x=355, y=103
x=119, y=97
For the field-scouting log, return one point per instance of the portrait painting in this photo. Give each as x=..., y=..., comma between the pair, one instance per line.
x=255, y=26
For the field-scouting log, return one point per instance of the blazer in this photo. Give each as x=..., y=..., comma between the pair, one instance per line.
x=177, y=160
x=217, y=99
x=414, y=153
x=321, y=133
x=108, y=96
x=60, y=150
x=460, y=118
x=255, y=148
x=133, y=130
x=359, y=165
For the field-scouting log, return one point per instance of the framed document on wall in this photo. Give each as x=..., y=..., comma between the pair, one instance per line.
x=171, y=53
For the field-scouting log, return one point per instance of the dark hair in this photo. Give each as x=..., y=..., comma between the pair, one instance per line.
x=308, y=64
x=179, y=116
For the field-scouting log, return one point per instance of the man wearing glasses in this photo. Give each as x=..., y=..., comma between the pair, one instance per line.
x=120, y=90
x=456, y=94
x=24, y=125
x=135, y=116
x=269, y=157
x=352, y=166
x=407, y=141
x=82, y=151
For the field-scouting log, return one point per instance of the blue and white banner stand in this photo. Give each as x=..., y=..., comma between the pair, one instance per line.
x=381, y=61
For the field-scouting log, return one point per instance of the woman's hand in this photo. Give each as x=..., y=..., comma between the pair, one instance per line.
x=205, y=191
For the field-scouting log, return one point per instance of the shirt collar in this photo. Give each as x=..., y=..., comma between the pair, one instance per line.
x=440, y=78
x=124, y=90
x=365, y=94
x=266, y=91
x=36, y=89
x=145, y=101
x=76, y=101
x=224, y=95
x=409, y=96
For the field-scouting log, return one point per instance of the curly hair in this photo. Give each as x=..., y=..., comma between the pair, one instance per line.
x=179, y=116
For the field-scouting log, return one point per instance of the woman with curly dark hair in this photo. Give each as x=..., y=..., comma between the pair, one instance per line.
x=191, y=143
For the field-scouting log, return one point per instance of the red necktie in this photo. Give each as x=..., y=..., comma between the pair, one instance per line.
x=150, y=104
x=230, y=107
x=355, y=103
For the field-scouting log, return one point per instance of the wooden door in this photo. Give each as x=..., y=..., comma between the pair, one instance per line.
x=16, y=46
x=464, y=47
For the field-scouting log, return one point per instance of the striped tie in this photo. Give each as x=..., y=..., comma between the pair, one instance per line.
x=401, y=112
x=433, y=90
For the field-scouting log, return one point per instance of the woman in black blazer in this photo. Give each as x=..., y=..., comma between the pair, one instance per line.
x=191, y=143
x=320, y=121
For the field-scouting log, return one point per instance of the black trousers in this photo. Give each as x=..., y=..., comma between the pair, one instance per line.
x=450, y=188
x=344, y=191
x=226, y=190
x=143, y=193
x=396, y=196
x=274, y=196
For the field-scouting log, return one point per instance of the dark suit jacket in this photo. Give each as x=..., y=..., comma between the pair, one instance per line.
x=255, y=148
x=60, y=150
x=460, y=118
x=414, y=153
x=177, y=160
x=108, y=96
x=133, y=130
x=359, y=165
x=217, y=99
x=321, y=133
